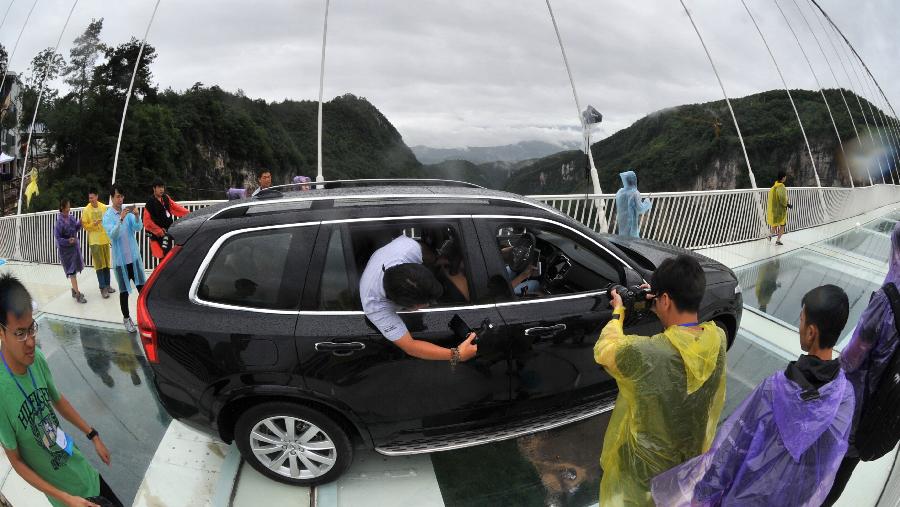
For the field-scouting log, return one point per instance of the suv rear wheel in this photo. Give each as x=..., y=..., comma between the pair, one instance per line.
x=293, y=444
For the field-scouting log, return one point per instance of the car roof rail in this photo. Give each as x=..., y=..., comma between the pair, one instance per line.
x=275, y=192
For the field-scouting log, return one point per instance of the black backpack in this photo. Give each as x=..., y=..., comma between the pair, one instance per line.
x=878, y=430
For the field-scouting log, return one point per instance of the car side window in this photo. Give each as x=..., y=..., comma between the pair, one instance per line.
x=249, y=270
x=335, y=288
x=543, y=260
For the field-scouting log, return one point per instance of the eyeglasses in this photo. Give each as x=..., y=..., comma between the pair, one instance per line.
x=23, y=334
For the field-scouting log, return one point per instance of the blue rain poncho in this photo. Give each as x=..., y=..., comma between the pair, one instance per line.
x=629, y=206
x=777, y=448
x=125, y=248
x=874, y=341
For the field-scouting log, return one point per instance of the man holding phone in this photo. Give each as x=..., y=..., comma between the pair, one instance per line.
x=121, y=224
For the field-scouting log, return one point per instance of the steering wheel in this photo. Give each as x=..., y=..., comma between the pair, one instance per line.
x=558, y=266
x=522, y=252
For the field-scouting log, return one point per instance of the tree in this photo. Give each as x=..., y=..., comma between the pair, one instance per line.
x=45, y=67
x=112, y=77
x=4, y=59
x=83, y=57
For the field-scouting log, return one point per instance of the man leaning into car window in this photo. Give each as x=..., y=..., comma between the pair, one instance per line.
x=396, y=279
x=671, y=385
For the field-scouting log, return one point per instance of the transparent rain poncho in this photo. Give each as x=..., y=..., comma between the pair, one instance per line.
x=775, y=449
x=874, y=340
x=629, y=206
x=671, y=394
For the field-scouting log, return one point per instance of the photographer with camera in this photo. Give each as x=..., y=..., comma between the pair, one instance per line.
x=395, y=279
x=671, y=385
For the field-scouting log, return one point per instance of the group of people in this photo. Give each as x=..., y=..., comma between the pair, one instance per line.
x=793, y=441
x=630, y=206
x=112, y=239
x=264, y=181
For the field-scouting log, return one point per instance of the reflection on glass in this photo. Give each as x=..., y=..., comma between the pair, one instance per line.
x=798, y=273
x=767, y=283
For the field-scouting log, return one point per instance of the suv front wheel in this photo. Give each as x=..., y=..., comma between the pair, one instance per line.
x=293, y=444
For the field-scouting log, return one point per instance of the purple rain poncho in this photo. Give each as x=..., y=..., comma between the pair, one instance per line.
x=67, y=226
x=775, y=449
x=874, y=340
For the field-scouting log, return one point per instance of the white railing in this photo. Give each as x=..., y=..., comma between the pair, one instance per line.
x=685, y=219
x=722, y=217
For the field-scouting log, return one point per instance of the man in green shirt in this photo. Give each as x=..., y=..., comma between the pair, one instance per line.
x=37, y=447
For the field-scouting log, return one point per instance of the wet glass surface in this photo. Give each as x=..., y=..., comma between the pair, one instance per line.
x=104, y=375
x=777, y=286
x=872, y=241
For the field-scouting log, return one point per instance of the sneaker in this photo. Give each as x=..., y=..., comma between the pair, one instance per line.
x=80, y=298
x=779, y=243
x=110, y=290
x=129, y=325
x=104, y=292
x=74, y=294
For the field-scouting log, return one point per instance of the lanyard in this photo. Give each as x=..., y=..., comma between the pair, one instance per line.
x=689, y=324
x=33, y=383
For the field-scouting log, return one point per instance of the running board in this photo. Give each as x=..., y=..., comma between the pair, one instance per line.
x=505, y=432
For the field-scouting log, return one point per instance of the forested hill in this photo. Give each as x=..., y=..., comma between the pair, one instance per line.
x=696, y=147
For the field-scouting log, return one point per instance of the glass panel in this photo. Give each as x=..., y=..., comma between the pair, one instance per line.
x=865, y=242
x=335, y=292
x=248, y=270
x=777, y=286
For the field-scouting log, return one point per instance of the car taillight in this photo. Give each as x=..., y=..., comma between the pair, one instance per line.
x=145, y=324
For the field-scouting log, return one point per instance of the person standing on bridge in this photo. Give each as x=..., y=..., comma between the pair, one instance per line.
x=159, y=214
x=98, y=241
x=629, y=206
x=68, y=246
x=784, y=443
x=671, y=385
x=872, y=363
x=776, y=208
x=121, y=223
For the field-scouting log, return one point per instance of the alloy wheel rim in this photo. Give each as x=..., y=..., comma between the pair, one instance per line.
x=292, y=447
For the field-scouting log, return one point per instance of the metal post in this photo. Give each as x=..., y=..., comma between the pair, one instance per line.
x=137, y=63
x=319, y=174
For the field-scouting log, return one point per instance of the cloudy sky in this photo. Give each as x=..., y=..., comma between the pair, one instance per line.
x=475, y=73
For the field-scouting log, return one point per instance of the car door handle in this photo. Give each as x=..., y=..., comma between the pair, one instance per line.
x=545, y=331
x=340, y=348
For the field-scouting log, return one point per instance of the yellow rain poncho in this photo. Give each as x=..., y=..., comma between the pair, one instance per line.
x=776, y=209
x=32, y=189
x=671, y=394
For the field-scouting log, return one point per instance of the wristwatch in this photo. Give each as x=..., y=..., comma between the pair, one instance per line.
x=92, y=434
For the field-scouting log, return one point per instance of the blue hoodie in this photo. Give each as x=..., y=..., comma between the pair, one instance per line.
x=629, y=205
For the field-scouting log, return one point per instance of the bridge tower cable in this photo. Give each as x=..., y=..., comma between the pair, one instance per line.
x=861, y=61
x=843, y=53
x=793, y=105
x=320, y=176
x=881, y=163
x=886, y=143
x=837, y=83
x=137, y=63
x=16, y=45
x=37, y=106
x=819, y=85
x=759, y=210
x=585, y=127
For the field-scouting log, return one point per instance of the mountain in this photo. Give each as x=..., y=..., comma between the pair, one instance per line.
x=494, y=175
x=696, y=147
x=482, y=154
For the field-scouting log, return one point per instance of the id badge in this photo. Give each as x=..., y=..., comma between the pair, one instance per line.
x=64, y=441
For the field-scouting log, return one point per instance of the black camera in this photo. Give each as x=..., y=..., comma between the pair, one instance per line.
x=634, y=299
x=462, y=330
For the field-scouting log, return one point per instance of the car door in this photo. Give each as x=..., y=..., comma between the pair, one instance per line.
x=346, y=361
x=552, y=333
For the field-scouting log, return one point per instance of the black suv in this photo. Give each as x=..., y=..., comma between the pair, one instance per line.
x=254, y=329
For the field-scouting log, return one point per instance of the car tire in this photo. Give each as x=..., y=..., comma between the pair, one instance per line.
x=729, y=335
x=293, y=444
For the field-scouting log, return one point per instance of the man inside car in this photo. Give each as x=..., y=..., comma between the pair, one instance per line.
x=396, y=279
x=671, y=385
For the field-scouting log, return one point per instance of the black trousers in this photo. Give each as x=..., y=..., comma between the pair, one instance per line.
x=123, y=295
x=107, y=498
x=841, y=480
